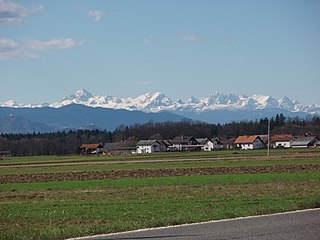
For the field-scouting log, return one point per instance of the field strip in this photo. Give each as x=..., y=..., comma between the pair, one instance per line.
x=152, y=173
x=193, y=224
x=107, y=162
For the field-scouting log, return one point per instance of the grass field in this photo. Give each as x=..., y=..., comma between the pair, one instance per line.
x=58, y=210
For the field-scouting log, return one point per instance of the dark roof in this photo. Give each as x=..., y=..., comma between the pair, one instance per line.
x=202, y=141
x=183, y=140
x=216, y=140
x=117, y=146
x=147, y=142
x=304, y=141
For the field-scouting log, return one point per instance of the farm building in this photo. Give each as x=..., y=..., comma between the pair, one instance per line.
x=93, y=148
x=118, y=148
x=249, y=142
x=282, y=140
x=304, y=142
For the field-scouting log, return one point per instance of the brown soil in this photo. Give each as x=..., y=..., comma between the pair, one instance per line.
x=149, y=173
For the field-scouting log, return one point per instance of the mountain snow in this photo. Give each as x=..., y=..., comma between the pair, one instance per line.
x=156, y=102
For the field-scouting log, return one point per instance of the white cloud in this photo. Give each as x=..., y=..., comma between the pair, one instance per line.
x=97, y=15
x=11, y=12
x=10, y=49
x=62, y=43
x=190, y=38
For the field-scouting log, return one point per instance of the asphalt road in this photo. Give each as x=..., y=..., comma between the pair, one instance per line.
x=300, y=225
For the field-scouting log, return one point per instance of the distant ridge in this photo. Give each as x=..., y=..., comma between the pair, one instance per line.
x=74, y=116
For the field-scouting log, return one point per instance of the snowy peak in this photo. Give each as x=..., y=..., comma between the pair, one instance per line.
x=263, y=102
x=80, y=95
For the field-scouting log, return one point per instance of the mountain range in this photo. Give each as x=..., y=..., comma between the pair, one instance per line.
x=157, y=102
x=83, y=109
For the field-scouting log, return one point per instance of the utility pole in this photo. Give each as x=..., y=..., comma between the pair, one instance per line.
x=268, y=151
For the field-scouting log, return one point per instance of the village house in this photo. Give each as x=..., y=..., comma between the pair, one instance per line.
x=185, y=143
x=93, y=148
x=282, y=140
x=304, y=142
x=148, y=146
x=207, y=144
x=249, y=142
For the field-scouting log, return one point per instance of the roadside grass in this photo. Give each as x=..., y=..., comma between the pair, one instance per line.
x=58, y=210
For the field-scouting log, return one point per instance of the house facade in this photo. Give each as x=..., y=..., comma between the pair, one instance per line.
x=148, y=146
x=205, y=143
x=249, y=142
x=282, y=140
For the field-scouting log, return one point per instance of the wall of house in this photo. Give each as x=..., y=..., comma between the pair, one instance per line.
x=208, y=146
x=245, y=146
x=286, y=144
x=257, y=144
x=148, y=149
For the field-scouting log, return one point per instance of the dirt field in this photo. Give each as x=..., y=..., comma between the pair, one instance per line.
x=145, y=173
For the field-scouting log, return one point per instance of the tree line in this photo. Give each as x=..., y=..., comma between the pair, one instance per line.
x=68, y=142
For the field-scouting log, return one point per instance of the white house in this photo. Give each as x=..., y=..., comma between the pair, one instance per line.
x=205, y=143
x=209, y=144
x=148, y=146
x=249, y=142
x=282, y=140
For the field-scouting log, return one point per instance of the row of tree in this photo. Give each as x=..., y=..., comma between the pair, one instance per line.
x=61, y=143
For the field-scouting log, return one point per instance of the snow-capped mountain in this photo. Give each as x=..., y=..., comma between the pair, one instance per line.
x=157, y=102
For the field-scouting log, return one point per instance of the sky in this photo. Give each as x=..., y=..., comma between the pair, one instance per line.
x=125, y=48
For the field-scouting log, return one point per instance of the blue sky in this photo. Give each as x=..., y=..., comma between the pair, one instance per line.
x=49, y=49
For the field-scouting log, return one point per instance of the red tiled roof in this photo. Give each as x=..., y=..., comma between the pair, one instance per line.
x=245, y=139
x=282, y=137
x=91, y=146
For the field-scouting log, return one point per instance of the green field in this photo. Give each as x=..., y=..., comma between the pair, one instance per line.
x=58, y=210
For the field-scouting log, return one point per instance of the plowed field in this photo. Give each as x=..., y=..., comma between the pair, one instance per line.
x=149, y=173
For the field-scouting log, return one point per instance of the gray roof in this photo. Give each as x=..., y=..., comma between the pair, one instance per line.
x=146, y=142
x=202, y=140
x=304, y=141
